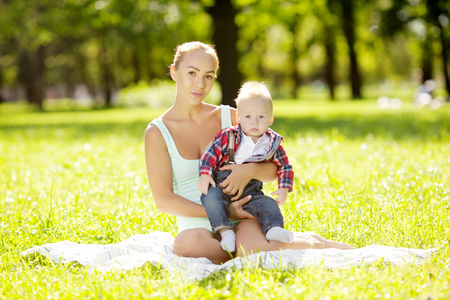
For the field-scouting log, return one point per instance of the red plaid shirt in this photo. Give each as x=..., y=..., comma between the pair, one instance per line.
x=217, y=155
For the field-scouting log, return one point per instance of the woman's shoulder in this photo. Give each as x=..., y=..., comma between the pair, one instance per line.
x=211, y=108
x=218, y=110
x=232, y=111
x=155, y=129
x=152, y=132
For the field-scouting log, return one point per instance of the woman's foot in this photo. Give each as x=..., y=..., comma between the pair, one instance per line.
x=332, y=244
x=314, y=238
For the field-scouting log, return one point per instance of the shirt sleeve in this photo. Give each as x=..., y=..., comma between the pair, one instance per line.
x=212, y=157
x=285, y=171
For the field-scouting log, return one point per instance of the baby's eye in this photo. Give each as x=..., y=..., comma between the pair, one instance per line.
x=261, y=117
x=247, y=116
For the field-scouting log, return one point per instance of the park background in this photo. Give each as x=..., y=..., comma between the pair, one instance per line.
x=97, y=51
x=80, y=80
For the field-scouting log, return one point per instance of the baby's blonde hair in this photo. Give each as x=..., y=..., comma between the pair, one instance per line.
x=254, y=89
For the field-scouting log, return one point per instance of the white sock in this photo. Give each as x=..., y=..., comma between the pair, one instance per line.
x=228, y=241
x=279, y=234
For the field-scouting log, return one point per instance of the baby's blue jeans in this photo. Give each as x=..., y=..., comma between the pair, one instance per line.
x=264, y=208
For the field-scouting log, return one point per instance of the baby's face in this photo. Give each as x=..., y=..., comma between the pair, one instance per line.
x=255, y=116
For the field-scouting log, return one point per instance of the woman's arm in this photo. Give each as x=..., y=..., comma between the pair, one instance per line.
x=159, y=172
x=241, y=174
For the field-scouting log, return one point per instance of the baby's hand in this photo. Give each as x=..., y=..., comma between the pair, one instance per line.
x=281, y=196
x=204, y=182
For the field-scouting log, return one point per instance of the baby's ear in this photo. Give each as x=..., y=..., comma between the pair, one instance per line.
x=172, y=72
x=271, y=120
x=238, y=120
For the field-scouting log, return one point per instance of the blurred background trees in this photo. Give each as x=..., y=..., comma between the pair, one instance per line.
x=95, y=48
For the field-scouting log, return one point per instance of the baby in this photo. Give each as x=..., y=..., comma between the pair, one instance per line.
x=250, y=141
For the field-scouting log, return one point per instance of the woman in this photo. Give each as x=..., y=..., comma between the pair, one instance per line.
x=173, y=145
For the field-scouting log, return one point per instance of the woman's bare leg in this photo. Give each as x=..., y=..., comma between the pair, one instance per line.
x=329, y=243
x=200, y=242
x=250, y=239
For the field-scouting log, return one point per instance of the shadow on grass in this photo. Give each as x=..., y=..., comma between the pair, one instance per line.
x=397, y=127
x=432, y=127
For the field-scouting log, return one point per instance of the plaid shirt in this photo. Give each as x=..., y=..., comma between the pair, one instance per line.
x=217, y=155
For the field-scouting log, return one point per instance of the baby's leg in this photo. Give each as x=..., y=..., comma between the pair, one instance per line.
x=228, y=242
x=269, y=216
x=216, y=206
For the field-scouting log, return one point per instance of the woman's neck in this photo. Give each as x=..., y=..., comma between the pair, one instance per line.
x=186, y=111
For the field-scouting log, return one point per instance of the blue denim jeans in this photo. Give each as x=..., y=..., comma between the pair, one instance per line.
x=264, y=208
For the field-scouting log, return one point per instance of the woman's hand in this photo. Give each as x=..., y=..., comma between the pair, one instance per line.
x=240, y=176
x=236, y=210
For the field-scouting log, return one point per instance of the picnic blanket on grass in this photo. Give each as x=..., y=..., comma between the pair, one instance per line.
x=157, y=248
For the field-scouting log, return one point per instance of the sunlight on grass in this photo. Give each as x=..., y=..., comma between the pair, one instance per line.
x=362, y=175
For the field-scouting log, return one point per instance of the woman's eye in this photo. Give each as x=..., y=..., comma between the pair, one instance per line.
x=192, y=73
x=209, y=77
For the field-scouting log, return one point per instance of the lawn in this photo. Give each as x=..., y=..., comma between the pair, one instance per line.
x=363, y=175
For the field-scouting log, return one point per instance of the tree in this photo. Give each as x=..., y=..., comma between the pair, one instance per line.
x=225, y=37
x=348, y=25
x=322, y=10
x=330, y=65
x=1, y=85
x=427, y=22
x=31, y=38
x=437, y=12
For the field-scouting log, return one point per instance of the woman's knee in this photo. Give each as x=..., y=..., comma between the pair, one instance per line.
x=249, y=238
x=199, y=243
x=187, y=242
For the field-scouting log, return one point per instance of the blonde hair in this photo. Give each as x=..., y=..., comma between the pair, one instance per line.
x=182, y=49
x=254, y=89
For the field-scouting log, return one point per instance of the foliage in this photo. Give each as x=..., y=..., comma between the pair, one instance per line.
x=363, y=176
x=160, y=93
x=108, y=45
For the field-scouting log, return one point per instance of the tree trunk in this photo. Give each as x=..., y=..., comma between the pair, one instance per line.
x=225, y=38
x=1, y=84
x=107, y=75
x=436, y=8
x=295, y=73
x=107, y=82
x=349, y=25
x=427, y=60
x=39, y=79
x=444, y=54
x=26, y=74
x=445, y=62
x=331, y=61
x=32, y=75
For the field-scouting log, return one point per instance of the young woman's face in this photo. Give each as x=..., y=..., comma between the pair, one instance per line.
x=255, y=116
x=195, y=75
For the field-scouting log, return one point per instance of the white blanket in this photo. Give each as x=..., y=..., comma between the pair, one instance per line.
x=156, y=248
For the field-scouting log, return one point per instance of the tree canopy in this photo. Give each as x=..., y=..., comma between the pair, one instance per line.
x=106, y=45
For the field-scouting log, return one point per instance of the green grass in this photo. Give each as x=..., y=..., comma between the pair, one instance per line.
x=362, y=175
